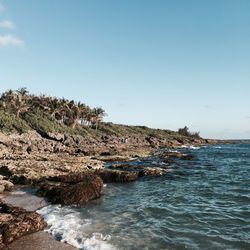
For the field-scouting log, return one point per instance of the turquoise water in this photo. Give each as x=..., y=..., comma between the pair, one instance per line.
x=199, y=204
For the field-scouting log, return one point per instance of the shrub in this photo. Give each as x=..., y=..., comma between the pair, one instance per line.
x=185, y=131
x=9, y=123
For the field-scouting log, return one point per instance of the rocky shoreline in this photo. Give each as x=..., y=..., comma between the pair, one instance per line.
x=68, y=169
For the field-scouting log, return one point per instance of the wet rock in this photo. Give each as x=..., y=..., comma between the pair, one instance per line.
x=153, y=171
x=168, y=156
x=141, y=170
x=109, y=176
x=188, y=157
x=17, y=222
x=76, y=189
x=122, y=166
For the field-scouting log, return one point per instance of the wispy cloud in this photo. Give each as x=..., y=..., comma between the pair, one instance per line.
x=7, y=24
x=10, y=40
x=207, y=106
x=2, y=8
x=248, y=116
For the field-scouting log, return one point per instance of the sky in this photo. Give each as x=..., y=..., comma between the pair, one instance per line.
x=160, y=63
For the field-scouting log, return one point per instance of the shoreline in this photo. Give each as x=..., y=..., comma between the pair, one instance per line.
x=25, y=199
x=29, y=160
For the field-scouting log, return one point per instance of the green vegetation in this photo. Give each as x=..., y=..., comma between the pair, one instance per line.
x=69, y=113
x=21, y=111
x=185, y=131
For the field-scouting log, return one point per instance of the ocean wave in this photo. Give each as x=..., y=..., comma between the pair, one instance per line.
x=66, y=225
x=194, y=147
x=190, y=147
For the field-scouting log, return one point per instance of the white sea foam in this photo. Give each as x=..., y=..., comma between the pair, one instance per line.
x=194, y=147
x=66, y=225
x=173, y=151
x=191, y=147
x=18, y=193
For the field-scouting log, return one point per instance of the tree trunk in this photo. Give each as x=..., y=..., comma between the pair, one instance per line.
x=74, y=123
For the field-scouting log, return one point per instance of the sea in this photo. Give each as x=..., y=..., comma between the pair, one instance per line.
x=203, y=203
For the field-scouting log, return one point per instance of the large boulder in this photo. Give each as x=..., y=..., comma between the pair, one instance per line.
x=17, y=222
x=72, y=189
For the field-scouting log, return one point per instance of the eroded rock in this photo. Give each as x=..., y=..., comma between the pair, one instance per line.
x=72, y=189
x=17, y=222
x=109, y=176
x=168, y=156
x=142, y=170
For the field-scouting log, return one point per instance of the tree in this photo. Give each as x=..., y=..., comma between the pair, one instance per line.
x=22, y=91
x=19, y=106
x=97, y=116
x=184, y=131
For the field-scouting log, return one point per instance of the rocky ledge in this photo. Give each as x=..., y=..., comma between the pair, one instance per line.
x=17, y=222
x=69, y=169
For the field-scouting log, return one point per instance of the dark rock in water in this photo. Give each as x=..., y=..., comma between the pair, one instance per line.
x=72, y=190
x=109, y=176
x=122, y=166
x=141, y=170
x=153, y=171
x=169, y=156
x=188, y=157
x=17, y=222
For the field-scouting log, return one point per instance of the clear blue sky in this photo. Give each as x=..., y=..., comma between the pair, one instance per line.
x=158, y=63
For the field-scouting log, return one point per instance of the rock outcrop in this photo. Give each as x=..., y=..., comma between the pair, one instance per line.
x=109, y=176
x=170, y=156
x=17, y=222
x=72, y=189
x=141, y=170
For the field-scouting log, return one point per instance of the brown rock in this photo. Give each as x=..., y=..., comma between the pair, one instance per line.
x=153, y=171
x=142, y=170
x=109, y=176
x=74, y=178
x=8, y=186
x=17, y=222
x=70, y=191
x=173, y=155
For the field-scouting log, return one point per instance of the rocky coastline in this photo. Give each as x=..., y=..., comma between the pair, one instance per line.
x=71, y=169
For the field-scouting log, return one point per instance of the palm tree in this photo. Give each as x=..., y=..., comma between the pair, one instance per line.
x=98, y=114
x=22, y=91
x=19, y=106
x=77, y=113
